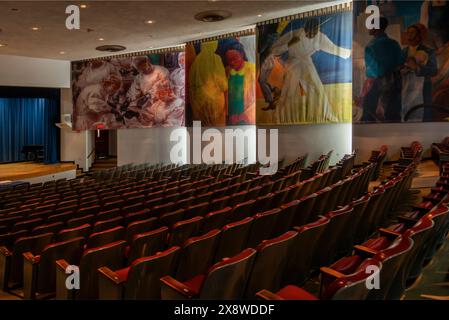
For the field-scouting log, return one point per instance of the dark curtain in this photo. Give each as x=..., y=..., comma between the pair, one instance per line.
x=29, y=121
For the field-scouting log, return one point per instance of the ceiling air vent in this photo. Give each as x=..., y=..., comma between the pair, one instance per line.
x=212, y=16
x=111, y=48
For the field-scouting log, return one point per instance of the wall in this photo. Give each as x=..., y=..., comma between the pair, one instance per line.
x=368, y=137
x=314, y=140
x=144, y=145
x=33, y=72
x=74, y=145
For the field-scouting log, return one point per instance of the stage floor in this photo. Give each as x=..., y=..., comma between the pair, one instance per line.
x=29, y=170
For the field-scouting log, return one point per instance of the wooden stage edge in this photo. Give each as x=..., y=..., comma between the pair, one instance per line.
x=28, y=170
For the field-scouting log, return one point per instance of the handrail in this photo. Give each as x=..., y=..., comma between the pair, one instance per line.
x=91, y=153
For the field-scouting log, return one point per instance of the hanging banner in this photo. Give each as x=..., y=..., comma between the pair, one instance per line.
x=401, y=69
x=221, y=80
x=305, y=69
x=129, y=92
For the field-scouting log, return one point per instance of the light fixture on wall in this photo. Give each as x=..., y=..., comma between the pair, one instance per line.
x=149, y=21
x=3, y=45
x=35, y=28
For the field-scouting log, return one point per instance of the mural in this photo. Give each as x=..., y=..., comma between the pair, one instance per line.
x=305, y=70
x=138, y=92
x=401, y=70
x=221, y=81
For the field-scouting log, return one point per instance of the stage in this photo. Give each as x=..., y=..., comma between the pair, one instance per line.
x=33, y=172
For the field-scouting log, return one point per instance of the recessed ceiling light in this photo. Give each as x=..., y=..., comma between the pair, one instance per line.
x=259, y=15
x=2, y=44
x=83, y=6
x=35, y=28
x=212, y=16
x=61, y=52
x=111, y=48
x=100, y=39
x=149, y=21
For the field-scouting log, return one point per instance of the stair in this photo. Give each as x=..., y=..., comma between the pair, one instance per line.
x=103, y=164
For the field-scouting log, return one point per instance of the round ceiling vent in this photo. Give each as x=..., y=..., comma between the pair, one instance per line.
x=111, y=48
x=212, y=16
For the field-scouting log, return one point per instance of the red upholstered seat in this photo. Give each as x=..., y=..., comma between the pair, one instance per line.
x=378, y=243
x=291, y=292
x=347, y=265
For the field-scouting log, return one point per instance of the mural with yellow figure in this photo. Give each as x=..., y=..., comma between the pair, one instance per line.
x=221, y=77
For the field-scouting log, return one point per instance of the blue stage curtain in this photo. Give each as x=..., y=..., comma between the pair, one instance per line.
x=28, y=121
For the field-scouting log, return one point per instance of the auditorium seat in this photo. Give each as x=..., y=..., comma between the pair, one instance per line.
x=48, y=228
x=104, y=237
x=299, y=264
x=216, y=219
x=183, y=230
x=136, y=216
x=270, y=264
x=233, y=239
x=195, y=210
x=61, y=217
x=103, y=225
x=392, y=257
x=262, y=226
x=139, y=281
x=11, y=262
x=170, y=218
x=242, y=210
x=110, y=255
x=196, y=255
x=335, y=285
x=224, y=280
x=76, y=222
x=147, y=243
x=40, y=270
x=82, y=231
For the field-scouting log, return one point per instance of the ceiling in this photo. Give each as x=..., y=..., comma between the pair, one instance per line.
x=123, y=23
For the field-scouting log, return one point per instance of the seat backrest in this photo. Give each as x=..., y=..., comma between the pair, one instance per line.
x=140, y=226
x=111, y=255
x=243, y=210
x=170, y=218
x=227, y=279
x=52, y=227
x=109, y=214
x=102, y=238
x=69, y=250
x=104, y=225
x=148, y=243
x=143, y=277
x=300, y=263
x=216, y=219
x=34, y=244
x=263, y=226
x=197, y=254
x=27, y=225
x=182, y=230
x=270, y=264
x=196, y=210
x=234, y=238
x=76, y=222
x=392, y=259
x=67, y=234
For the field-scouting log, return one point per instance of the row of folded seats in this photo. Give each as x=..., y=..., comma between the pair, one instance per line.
x=395, y=253
x=11, y=260
x=440, y=151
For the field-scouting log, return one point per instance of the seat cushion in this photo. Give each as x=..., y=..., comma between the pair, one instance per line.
x=347, y=265
x=291, y=292
x=398, y=227
x=195, y=283
x=377, y=243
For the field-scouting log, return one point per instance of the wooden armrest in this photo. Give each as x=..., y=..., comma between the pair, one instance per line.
x=62, y=293
x=62, y=264
x=179, y=289
x=111, y=275
x=28, y=256
x=389, y=233
x=268, y=295
x=5, y=252
x=407, y=220
x=331, y=273
x=364, y=251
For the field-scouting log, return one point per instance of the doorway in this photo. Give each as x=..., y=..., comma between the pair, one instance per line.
x=101, y=144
